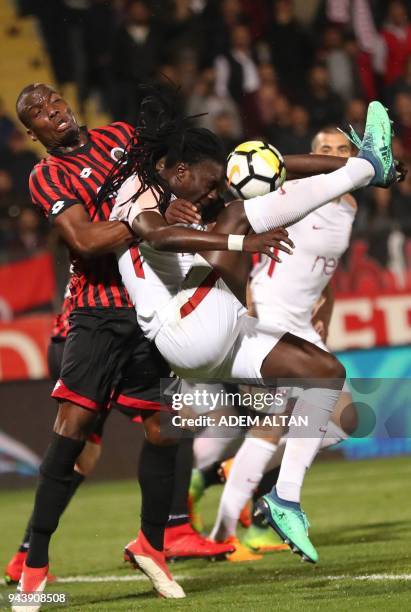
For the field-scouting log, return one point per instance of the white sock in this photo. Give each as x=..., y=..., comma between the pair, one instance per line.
x=333, y=436
x=298, y=198
x=246, y=472
x=303, y=443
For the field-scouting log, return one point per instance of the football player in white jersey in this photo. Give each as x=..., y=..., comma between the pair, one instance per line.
x=296, y=295
x=201, y=326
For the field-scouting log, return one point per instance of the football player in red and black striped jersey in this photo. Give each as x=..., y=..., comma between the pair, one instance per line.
x=103, y=328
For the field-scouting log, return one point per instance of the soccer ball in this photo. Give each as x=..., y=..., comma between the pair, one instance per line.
x=255, y=168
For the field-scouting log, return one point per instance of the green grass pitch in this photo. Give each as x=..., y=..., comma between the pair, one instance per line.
x=361, y=522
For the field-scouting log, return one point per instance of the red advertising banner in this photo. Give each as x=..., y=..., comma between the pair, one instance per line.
x=27, y=284
x=367, y=321
x=23, y=348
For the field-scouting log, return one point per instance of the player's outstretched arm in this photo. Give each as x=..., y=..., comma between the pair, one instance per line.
x=152, y=228
x=301, y=166
x=144, y=218
x=91, y=239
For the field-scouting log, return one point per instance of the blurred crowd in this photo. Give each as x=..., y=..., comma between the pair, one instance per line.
x=272, y=69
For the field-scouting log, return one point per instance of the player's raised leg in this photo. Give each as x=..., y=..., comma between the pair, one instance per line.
x=374, y=165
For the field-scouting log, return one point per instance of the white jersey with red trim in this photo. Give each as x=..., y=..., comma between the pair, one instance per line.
x=183, y=306
x=152, y=278
x=285, y=293
x=196, y=322
x=165, y=286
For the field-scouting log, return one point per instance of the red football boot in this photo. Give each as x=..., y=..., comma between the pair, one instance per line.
x=14, y=568
x=33, y=580
x=153, y=564
x=183, y=542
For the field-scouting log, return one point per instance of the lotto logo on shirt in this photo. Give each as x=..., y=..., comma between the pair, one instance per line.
x=86, y=172
x=57, y=207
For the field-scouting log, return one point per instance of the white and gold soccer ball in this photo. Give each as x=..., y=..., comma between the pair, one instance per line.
x=255, y=168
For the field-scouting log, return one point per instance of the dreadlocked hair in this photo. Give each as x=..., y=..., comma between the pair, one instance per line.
x=161, y=133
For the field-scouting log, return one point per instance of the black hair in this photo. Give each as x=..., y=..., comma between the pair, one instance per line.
x=161, y=133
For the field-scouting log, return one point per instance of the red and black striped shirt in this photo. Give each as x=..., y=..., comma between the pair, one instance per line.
x=62, y=180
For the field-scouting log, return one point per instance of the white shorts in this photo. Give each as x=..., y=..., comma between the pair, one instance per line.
x=306, y=333
x=217, y=339
x=196, y=339
x=254, y=342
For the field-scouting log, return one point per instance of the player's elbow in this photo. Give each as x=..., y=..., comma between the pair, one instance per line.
x=85, y=248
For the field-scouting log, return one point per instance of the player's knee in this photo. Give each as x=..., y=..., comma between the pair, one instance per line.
x=157, y=438
x=331, y=368
x=154, y=431
x=71, y=429
x=73, y=421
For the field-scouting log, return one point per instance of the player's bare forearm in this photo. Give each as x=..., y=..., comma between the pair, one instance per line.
x=301, y=166
x=184, y=239
x=181, y=239
x=104, y=237
x=151, y=228
x=91, y=239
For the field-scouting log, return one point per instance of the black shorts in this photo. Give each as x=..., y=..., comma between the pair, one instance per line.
x=107, y=359
x=138, y=387
x=54, y=358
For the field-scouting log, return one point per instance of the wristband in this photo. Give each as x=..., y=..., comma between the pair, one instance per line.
x=235, y=242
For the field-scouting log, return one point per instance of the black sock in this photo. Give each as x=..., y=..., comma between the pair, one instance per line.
x=211, y=475
x=184, y=465
x=76, y=481
x=266, y=484
x=24, y=546
x=156, y=477
x=56, y=476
